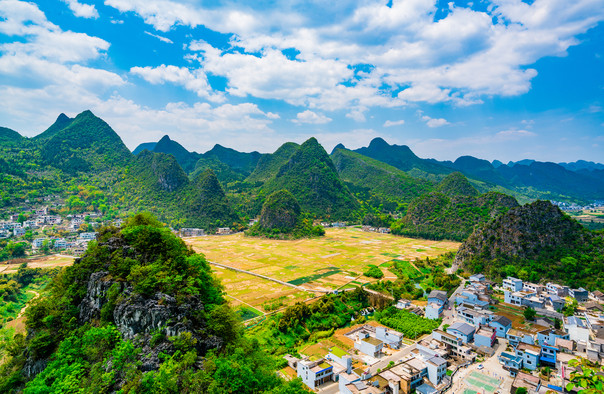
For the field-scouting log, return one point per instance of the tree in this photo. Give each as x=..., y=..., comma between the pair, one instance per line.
x=589, y=377
x=557, y=323
x=521, y=390
x=529, y=313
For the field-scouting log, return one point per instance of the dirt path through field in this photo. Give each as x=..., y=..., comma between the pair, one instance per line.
x=36, y=295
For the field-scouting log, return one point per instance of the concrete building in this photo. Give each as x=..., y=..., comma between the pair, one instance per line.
x=464, y=331
x=368, y=345
x=549, y=336
x=454, y=345
x=485, y=336
x=556, y=289
x=478, y=278
x=530, y=355
x=88, y=236
x=59, y=244
x=340, y=357
x=516, y=337
x=534, y=288
x=510, y=362
x=512, y=284
x=438, y=297
x=192, y=232
x=391, y=338
x=437, y=370
x=18, y=232
x=501, y=324
x=577, y=329
x=38, y=242
x=580, y=294
x=314, y=373
x=556, y=302
x=476, y=317
x=433, y=310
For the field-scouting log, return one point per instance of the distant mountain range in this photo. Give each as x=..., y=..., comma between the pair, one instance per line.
x=224, y=187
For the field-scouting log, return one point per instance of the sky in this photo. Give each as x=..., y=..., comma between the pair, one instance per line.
x=500, y=79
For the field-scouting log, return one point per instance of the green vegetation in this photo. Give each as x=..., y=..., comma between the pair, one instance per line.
x=95, y=354
x=456, y=184
x=312, y=178
x=378, y=184
x=419, y=277
x=282, y=218
x=588, y=377
x=301, y=323
x=269, y=165
x=537, y=242
x=374, y=272
x=438, y=216
x=529, y=314
x=411, y=325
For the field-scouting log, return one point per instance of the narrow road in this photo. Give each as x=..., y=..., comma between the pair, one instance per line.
x=22, y=311
x=267, y=278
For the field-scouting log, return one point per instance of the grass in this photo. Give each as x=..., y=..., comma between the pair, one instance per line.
x=247, y=313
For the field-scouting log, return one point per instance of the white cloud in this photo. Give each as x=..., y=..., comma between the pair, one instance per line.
x=434, y=122
x=311, y=117
x=161, y=38
x=82, y=10
x=195, y=81
x=515, y=134
x=391, y=123
x=459, y=59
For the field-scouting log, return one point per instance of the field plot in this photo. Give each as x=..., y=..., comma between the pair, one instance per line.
x=326, y=263
x=38, y=262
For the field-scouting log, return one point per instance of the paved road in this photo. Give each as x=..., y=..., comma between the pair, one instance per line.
x=450, y=315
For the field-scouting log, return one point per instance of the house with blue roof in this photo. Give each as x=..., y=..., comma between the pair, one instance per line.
x=557, y=302
x=511, y=362
x=437, y=297
x=463, y=331
x=469, y=297
x=501, y=324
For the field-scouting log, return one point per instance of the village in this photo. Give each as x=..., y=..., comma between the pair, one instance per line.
x=484, y=344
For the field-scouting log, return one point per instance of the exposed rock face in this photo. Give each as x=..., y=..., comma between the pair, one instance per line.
x=138, y=318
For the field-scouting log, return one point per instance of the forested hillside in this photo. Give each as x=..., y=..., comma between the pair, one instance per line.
x=140, y=312
x=536, y=242
x=312, y=178
x=376, y=182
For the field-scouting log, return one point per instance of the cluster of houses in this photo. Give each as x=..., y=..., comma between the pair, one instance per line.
x=75, y=244
x=423, y=371
x=581, y=335
x=371, y=229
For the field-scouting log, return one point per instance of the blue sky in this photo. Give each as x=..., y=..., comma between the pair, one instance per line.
x=501, y=79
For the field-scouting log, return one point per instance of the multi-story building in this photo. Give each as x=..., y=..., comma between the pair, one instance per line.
x=512, y=284
x=501, y=324
x=485, y=336
x=464, y=331
x=390, y=338
x=530, y=355
x=580, y=294
x=314, y=373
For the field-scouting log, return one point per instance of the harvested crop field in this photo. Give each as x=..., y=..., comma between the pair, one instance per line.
x=326, y=263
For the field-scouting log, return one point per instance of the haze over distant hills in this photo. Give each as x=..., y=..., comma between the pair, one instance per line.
x=224, y=186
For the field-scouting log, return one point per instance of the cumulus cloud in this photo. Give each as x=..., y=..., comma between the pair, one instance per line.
x=311, y=117
x=434, y=122
x=469, y=54
x=195, y=81
x=392, y=123
x=82, y=10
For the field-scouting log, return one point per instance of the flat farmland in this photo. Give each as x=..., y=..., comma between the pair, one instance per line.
x=326, y=263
